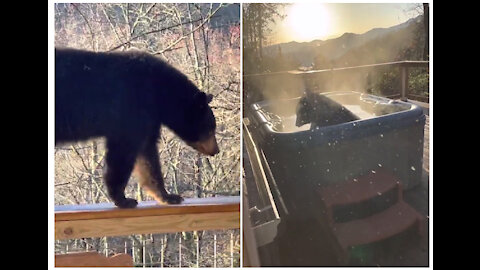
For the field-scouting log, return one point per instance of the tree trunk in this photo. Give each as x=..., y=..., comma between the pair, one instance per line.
x=198, y=176
x=426, y=16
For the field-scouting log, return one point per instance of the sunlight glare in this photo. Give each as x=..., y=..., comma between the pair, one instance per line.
x=308, y=21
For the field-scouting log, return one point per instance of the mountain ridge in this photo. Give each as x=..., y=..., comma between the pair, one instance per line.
x=331, y=50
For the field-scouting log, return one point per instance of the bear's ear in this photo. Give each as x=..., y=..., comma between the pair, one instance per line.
x=209, y=98
x=308, y=92
x=200, y=98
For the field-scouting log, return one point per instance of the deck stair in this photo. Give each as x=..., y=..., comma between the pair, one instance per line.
x=368, y=209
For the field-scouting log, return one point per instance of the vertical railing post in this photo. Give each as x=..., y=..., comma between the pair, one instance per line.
x=180, y=251
x=215, y=250
x=404, y=69
x=231, y=250
x=144, y=251
x=198, y=249
x=162, y=252
x=106, y=246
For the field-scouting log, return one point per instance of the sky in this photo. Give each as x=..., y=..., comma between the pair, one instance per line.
x=310, y=21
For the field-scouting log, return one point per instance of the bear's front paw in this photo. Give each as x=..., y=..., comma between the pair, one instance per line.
x=172, y=199
x=126, y=203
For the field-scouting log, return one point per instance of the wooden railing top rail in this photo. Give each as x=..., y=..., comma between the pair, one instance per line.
x=405, y=63
x=104, y=219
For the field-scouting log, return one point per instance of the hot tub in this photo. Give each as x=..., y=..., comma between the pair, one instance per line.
x=388, y=135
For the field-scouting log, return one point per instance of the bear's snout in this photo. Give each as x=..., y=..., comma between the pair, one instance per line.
x=208, y=146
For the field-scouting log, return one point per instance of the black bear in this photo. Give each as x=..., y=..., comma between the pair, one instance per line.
x=319, y=110
x=125, y=97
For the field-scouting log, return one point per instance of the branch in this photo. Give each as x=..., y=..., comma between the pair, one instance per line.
x=110, y=22
x=62, y=184
x=195, y=29
x=81, y=157
x=151, y=32
x=88, y=24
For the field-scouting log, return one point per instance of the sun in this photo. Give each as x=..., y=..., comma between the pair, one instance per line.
x=308, y=21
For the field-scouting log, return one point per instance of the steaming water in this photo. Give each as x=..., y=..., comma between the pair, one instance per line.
x=282, y=115
x=287, y=123
x=359, y=111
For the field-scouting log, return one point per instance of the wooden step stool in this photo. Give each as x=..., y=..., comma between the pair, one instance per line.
x=376, y=227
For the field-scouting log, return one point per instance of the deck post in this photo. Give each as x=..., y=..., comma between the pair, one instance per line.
x=404, y=82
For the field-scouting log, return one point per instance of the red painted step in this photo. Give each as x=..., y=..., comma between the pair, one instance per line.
x=376, y=227
x=386, y=224
x=357, y=190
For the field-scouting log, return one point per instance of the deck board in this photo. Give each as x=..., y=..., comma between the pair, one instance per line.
x=147, y=208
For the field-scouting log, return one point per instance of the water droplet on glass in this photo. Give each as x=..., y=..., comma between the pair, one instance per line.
x=381, y=135
x=355, y=180
x=379, y=165
x=374, y=171
x=379, y=193
x=413, y=168
x=328, y=170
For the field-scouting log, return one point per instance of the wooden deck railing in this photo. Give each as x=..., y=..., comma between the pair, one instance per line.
x=99, y=220
x=403, y=65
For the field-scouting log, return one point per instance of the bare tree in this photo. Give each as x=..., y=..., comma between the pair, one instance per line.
x=184, y=36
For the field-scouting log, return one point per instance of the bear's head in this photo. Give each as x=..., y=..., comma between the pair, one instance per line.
x=196, y=125
x=203, y=124
x=304, y=110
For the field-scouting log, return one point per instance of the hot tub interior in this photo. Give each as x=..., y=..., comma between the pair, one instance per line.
x=282, y=114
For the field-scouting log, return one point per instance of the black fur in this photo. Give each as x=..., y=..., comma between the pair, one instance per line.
x=126, y=97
